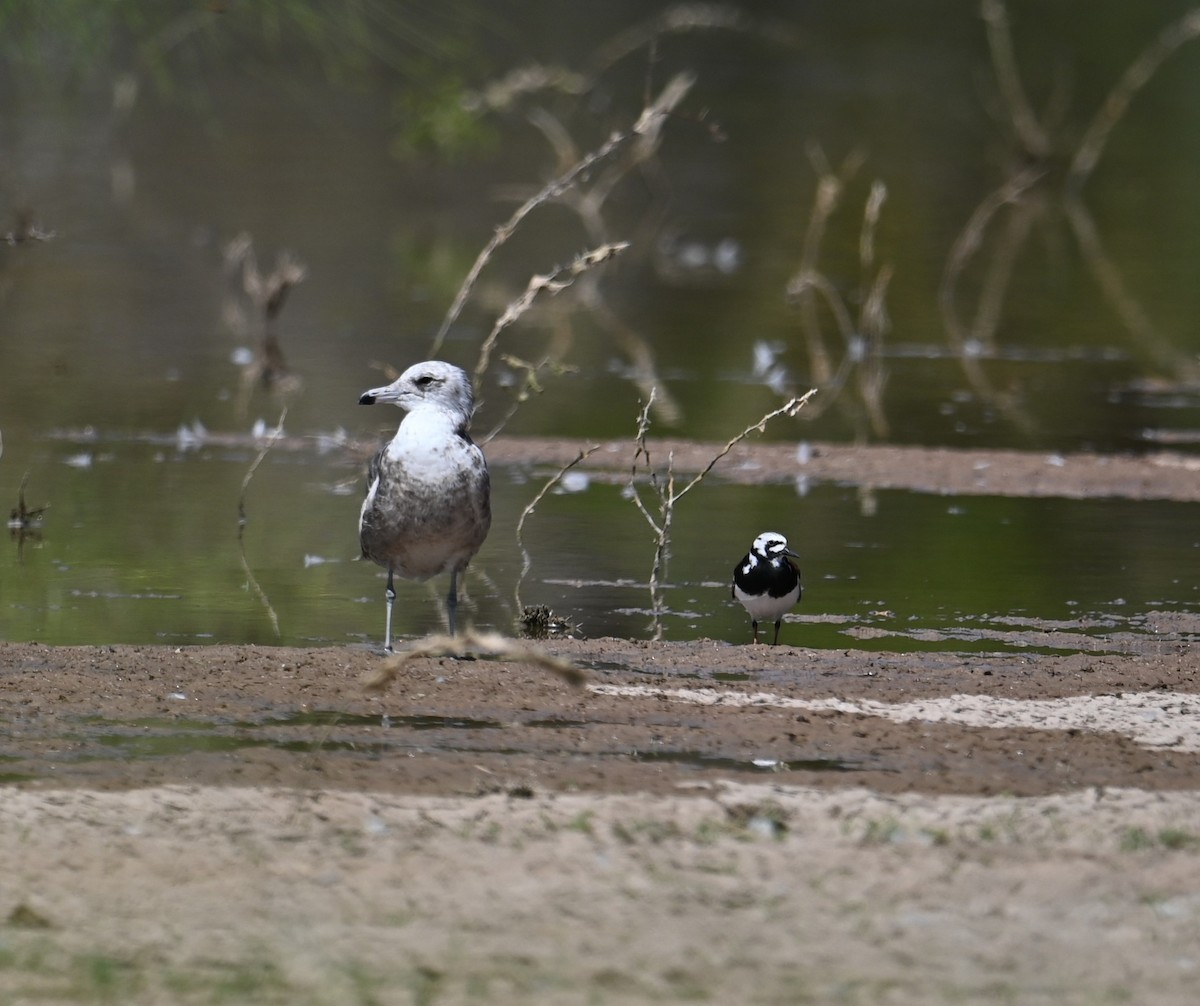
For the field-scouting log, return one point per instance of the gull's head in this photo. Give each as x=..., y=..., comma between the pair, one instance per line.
x=429, y=385
x=770, y=545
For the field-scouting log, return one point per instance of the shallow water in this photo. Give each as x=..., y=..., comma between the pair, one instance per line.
x=886, y=569
x=129, y=324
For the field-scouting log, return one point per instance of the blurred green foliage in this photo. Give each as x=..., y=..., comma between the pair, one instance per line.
x=417, y=52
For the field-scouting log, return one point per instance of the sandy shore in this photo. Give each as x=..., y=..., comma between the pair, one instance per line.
x=699, y=822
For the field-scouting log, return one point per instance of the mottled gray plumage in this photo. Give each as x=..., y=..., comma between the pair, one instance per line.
x=428, y=506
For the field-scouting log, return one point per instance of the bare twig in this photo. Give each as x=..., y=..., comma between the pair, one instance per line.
x=21, y=517
x=557, y=280
x=830, y=187
x=475, y=644
x=526, y=385
x=648, y=124
x=968, y=243
x=1022, y=197
x=872, y=211
x=266, y=602
x=503, y=94
x=810, y=290
x=668, y=497
x=789, y=409
x=688, y=17
x=1138, y=74
x=526, y=562
x=252, y=306
x=1030, y=132
x=1112, y=285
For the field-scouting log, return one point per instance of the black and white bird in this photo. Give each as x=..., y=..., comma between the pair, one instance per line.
x=428, y=504
x=767, y=582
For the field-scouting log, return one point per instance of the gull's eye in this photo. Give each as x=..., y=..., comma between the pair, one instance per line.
x=424, y=381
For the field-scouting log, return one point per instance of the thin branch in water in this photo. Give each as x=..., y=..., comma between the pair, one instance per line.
x=557, y=280
x=526, y=562
x=968, y=243
x=668, y=497
x=1138, y=74
x=649, y=123
x=21, y=517
x=503, y=95
x=266, y=602
x=789, y=409
x=1030, y=132
x=871, y=214
x=1018, y=195
x=640, y=451
x=830, y=187
x=252, y=306
x=526, y=385
x=1112, y=285
x=688, y=17
x=871, y=374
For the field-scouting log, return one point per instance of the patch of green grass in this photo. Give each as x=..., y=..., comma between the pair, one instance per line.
x=936, y=836
x=581, y=822
x=1135, y=840
x=106, y=978
x=881, y=831
x=35, y=970
x=710, y=831
x=426, y=985
x=1177, y=838
x=234, y=982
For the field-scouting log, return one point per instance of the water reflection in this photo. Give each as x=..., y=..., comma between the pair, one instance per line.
x=896, y=571
x=1043, y=185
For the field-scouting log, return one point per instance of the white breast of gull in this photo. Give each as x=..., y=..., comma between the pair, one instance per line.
x=428, y=503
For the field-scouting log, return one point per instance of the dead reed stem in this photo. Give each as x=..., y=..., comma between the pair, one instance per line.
x=1023, y=197
x=475, y=644
x=646, y=128
x=862, y=336
x=554, y=282
x=526, y=562
x=1135, y=77
x=251, y=579
x=668, y=497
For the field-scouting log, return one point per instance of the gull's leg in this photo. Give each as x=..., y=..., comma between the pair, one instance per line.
x=777, y=633
x=452, y=602
x=754, y=627
x=390, y=596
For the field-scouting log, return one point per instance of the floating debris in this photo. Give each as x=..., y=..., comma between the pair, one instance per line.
x=189, y=438
x=26, y=230
x=21, y=519
x=574, y=482
x=538, y=622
